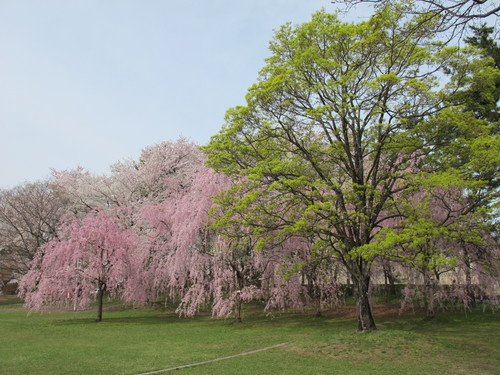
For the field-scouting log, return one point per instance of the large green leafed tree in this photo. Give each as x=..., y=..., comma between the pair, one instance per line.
x=327, y=139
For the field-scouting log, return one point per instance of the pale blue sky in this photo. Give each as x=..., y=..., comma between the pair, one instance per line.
x=90, y=82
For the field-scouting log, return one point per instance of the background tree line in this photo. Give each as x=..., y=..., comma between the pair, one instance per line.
x=365, y=152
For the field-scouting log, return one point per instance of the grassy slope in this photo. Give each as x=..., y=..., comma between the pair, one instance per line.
x=135, y=341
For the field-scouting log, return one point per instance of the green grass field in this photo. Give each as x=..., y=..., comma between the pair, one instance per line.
x=131, y=341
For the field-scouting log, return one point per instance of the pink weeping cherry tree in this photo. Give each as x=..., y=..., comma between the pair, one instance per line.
x=443, y=245
x=290, y=271
x=189, y=261
x=177, y=260
x=237, y=276
x=301, y=272
x=93, y=256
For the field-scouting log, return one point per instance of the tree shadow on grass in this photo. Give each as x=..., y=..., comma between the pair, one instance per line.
x=10, y=300
x=142, y=320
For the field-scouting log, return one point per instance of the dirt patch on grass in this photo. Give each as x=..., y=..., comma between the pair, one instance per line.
x=386, y=311
x=379, y=312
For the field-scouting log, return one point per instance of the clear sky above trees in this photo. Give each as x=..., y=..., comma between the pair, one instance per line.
x=88, y=83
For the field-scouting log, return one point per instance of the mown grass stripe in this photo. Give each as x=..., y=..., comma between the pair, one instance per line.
x=212, y=360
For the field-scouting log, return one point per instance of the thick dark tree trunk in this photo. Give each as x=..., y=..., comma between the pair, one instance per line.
x=363, y=308
x=100, y=297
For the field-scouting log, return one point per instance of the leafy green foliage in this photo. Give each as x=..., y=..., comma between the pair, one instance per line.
x=483, y=95
x=347, y=121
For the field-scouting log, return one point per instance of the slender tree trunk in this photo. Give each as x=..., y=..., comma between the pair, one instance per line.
x=390, y=280
x=100, y=297
x=240, y=281
x=319, y=313
x=350, y=289
x=430, y=308
x=237, y=307
x=315, y=293
x=317, y=297
x=363, y=308
x=387, y=292
x=469, y=288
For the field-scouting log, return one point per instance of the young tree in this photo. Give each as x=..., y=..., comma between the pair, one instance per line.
x=93, y=256
x=327, y=132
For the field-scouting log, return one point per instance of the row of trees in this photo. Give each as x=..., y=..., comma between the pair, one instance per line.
x=144, y=233
x=364, y=151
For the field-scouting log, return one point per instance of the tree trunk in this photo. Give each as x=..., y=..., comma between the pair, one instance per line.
x=237, y=307
x=390, y=280
x=319, y=313
x=469, y=288
x=363, y=308
x=429, y=303
x=349, y=288
x=387, y=292
x=100, y=297
x=315, y=293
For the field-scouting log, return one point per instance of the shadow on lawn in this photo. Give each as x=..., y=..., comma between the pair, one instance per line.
x=111, y=320
x=343, y=319
x=10, y=300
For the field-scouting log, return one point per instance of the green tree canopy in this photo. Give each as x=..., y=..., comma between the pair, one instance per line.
x=330, y=133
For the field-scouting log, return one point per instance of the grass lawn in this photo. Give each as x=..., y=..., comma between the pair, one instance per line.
x=137, y=341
